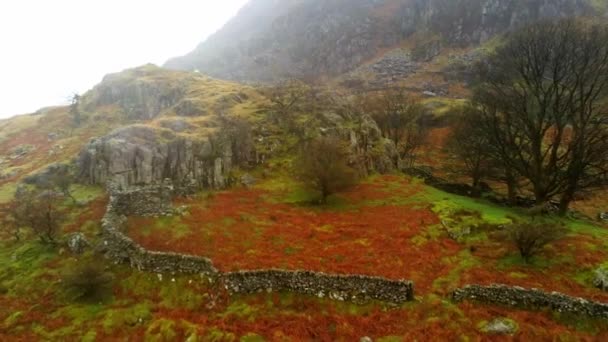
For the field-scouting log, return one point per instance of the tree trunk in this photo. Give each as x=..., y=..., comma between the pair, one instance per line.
x=511, y=187
x=564, y=202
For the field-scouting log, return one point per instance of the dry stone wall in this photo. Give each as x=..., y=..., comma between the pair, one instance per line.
x=338, y=287
x=531, y=299
x=155, y=201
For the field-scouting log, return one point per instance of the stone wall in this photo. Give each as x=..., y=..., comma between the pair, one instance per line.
x=120, y=248
x=153, y=201
x=338, y=287
x=531, y=299
x=142, y=201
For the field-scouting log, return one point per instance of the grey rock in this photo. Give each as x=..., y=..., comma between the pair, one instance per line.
x=248, y=180
x=140, y=92
x=176, y=125
x=601, y=278
x=140, y=155
x=603, y=216
x=77, y=243
x=501, y=326
x=366, y=339
x=21, y=151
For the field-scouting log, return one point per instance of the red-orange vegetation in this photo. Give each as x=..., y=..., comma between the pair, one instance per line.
x=567, y=258
x=240, y=229
x=93, y=213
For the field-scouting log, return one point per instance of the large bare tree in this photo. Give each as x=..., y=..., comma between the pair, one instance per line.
x=543, y=99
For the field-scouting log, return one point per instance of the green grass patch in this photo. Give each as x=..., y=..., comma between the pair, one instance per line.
x=7, y=192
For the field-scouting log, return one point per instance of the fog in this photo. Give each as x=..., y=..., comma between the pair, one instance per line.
x=51, y=49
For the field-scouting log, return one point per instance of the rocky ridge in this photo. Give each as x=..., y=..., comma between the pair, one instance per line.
x=313, y=38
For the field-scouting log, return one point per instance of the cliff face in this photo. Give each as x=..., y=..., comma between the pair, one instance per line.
x=310, y=38
x=138, y=155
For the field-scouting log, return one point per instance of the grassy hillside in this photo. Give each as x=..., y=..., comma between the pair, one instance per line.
x=388, y=225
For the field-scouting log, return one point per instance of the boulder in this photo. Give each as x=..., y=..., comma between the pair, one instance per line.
x=248, y=180
x=176, y=125
x=500, y=326
x=601, y=279
x=77, y=243
x=603, y=216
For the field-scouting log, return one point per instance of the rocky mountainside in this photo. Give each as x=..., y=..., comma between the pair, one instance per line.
x=271, y=39
x=148, y=124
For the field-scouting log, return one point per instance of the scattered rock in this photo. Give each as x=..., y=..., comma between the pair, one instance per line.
x=21, y=151
x=55, y=149
x=429, y=93
x=53, y=136
x=77, y=243
x=248, y=180
x=9, y=173
x=601, y=279
x=500, y=326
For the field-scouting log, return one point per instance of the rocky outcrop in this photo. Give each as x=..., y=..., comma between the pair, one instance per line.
x=531, y=299
x=136, y=155
x=146, y=92
x=330, y=37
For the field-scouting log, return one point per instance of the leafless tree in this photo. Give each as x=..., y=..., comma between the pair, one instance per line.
x=287, y=99
x=542, y=97
x=531, y=238
x=323, y=166
x=38, y=210
x=470, y=145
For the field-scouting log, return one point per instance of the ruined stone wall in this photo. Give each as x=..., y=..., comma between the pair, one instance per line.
x=531, y=299
x=142, y=201
x=152, y=201
x=120, y=248
x=338, y=287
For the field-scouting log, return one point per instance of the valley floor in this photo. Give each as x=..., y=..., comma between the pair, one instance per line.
x=390, y=226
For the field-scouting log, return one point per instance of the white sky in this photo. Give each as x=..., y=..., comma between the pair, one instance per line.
x=52, y=48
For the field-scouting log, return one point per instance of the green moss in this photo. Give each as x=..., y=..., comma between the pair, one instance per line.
x=176, y=294
x=216, y=335
x=161, y=330
x=241, y=310
x=126, y=317
x=90, y=336
x=462, y=261
x=7, y=192
x=86, y=192
x=12, y=319
x=252, y=338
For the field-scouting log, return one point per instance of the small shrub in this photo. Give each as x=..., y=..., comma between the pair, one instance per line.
x=530, y=238
x=88, y=281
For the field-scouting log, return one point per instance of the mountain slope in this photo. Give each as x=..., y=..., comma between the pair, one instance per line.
x=310, y=38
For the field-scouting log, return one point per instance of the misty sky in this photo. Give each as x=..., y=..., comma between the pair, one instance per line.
x=52, y=48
